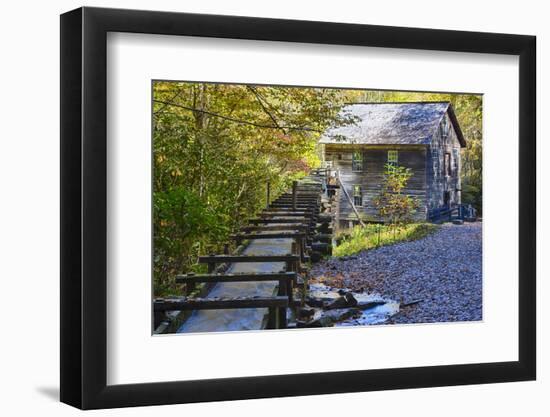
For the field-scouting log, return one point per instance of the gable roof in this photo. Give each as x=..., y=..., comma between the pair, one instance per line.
x=392, y=124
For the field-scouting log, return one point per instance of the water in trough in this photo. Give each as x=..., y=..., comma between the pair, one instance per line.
x=241, y=319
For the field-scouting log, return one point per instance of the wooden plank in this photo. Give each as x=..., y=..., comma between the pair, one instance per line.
x=304, y=196
x=276, y=227
x=280, y=276
x=308, y=194
x=218, y=259
x=285, y=214
x=289, y=205
x=185, y=303
x=284, y=210
x=324, y=218
x=297, y=220
x=249, y=236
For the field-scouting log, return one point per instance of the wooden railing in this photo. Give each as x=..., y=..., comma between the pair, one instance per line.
x=455, y=211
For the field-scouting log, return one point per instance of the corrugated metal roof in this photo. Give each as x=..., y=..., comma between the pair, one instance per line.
x=391, y=124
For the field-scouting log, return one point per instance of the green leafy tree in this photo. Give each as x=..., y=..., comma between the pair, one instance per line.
x=215, y=148
x=392, y=203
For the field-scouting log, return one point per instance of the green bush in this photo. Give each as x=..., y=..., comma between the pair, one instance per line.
x=184, y=227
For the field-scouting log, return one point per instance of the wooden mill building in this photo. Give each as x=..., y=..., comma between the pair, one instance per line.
x=423, y=136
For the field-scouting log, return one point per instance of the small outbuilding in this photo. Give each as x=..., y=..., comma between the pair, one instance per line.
x=422, y=136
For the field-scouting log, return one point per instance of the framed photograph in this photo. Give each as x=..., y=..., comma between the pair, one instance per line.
x=257, y=208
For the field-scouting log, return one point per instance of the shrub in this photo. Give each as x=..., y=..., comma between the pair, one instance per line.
x=375, y=235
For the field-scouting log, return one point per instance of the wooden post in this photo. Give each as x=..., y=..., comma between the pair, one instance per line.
x=272, y=318
x=293, y=247
x=281, y=319
x=268, y=195
x=282, y=287
x=159, y=317
x=189, y=286
x=293, y=266
x=294, y=192
x=302, y=249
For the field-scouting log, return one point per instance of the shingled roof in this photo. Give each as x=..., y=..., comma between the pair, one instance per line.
x=392, y=124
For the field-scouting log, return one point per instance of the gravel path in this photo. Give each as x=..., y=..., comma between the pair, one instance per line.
x=442, y=270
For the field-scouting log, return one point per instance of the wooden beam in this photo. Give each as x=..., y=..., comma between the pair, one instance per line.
x=218, y=259
x=304, y=196
x=289, y=205
x=276, y=227
x=350, y=201
x=279, y=276
x=249, y=236
x=277, y=221
x=285, y=210
x=185, y=303
x=285, y=214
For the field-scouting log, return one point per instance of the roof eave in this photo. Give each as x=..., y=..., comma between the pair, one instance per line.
x=456, y=126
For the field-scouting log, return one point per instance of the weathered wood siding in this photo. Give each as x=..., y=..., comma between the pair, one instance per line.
x=371, y=177
x=437, y=182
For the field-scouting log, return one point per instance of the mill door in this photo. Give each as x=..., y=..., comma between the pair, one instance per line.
x=447, y=198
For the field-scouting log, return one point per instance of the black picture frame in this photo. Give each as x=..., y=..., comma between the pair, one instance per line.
x=84, y=207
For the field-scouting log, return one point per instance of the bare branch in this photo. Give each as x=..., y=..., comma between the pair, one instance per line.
x=259, y=100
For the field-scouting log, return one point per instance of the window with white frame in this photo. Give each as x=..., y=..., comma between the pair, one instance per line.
x=357, y=161
x=393, y=158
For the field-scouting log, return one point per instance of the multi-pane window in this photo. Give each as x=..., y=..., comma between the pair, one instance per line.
x=393, y=158
x=357, y=161
x=357, y=195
